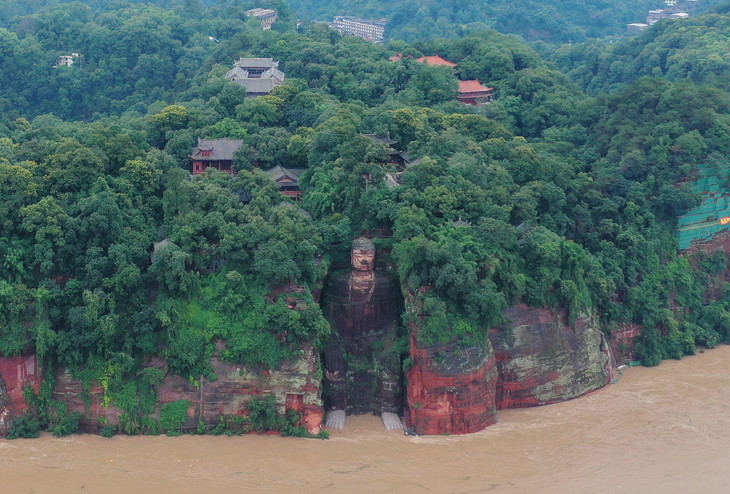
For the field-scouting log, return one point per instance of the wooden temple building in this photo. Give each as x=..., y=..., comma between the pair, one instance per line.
x=474, y=93
x=470, y=92
x=258, y=75
x=287, y=179
x=215, y=153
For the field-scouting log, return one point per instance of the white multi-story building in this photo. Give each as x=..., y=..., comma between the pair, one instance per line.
x=371, y=30
x=266, y=16
x=66, y=60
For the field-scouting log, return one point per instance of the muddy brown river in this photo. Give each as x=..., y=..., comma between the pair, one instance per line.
x=658, y=430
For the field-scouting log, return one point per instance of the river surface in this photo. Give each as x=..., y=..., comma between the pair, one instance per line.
x=658, y=430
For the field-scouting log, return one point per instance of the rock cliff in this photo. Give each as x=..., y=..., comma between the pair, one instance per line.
x=623, y=343
x=295, y=386
x=535, y=357
x=362, y=362
x=542, y=359
x=16, y=373
x=451, y=388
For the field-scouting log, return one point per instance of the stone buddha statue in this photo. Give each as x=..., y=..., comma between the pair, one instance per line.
x=362, y=276
x=362, y=363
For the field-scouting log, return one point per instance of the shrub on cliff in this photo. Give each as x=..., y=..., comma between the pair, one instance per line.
x=173, y=416
x=24, y=426
x=263, y=415
x=68, y=424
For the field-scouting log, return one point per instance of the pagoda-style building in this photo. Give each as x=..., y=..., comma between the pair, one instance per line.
x=474, y=92
x=471, y=92
x=258, y=75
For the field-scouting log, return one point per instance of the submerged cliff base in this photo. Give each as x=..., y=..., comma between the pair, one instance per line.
x=295, y=387
x=535, y=357
x=16, y=375
x=451, y=388
x=543, y=359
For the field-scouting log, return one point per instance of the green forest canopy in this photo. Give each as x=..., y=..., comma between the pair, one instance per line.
x=551, y=195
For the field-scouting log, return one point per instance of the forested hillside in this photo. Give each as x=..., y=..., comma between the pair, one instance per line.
x=561, y=21
x=548, y=196
x=693, y=50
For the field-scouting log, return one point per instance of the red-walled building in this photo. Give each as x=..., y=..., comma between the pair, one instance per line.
x=474, y=93
x=215, y=153
x=287, y=179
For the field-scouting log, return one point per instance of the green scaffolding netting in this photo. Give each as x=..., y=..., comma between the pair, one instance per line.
x=703, y=222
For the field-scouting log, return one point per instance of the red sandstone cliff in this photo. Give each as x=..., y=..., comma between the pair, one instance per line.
x=534, y=358
x=16, y=373
x=623, y=343
x=451, y=388
x=295, y=385
x=542, y=359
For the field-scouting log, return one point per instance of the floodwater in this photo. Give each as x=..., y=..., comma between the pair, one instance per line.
x=658, y=430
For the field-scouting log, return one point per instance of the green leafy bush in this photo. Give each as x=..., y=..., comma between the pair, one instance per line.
x=263, y=414
x=173, y=416
x=68, y=424
x=232, y=425
x=25, y=426
x=108, y=430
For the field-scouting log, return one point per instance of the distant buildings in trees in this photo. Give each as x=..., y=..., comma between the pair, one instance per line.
x=215, y=153
x=399, y=159
x=396, y=157
x=220, y=154
x=637, y=26
x=655, y=16
x=471, y=92
x=287, y=179
x=266, y=16
x=436, y=61
x=371, y=30
x=67, y=60
x=676, y=9
x=258, y=75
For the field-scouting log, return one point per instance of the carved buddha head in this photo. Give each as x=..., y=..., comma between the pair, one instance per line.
x=362, y=254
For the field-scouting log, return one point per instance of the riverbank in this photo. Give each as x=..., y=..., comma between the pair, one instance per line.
x=658, y=430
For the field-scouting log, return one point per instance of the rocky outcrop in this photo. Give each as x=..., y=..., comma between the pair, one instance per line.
x=535, y=357
x=451, y=388
x=542, y=359
x=16, y=373
x=295, y=386
x=89, y=402
x=623, y=343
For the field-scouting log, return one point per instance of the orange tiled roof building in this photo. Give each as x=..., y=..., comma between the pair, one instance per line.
x=474, y=92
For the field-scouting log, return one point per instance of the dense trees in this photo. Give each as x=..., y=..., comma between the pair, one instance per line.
x=561, y=21
x=111, y=252
x=692, y=49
